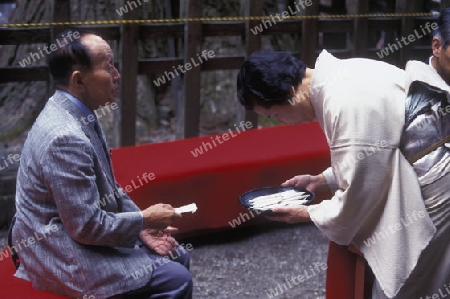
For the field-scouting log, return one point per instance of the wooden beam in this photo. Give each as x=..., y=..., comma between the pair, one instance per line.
x=253, y=41
x=16, y=74
x=154, y=31
x=310, y=35
x=173, y=49
x=387, y=24
x=61, y=13
x=423, y=20
x=223, y=28
x=360, y=30
x=107, y=32
x=129, y=50
x=157, y=66
x=223, y=63
x=16, y=36
x=405, y=30
x=188, y=108
x=164, y=31
x=335, y=25
x=252, y=44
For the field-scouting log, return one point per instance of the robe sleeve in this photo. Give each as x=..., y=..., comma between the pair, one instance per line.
x=331, y=180
x=365, y=175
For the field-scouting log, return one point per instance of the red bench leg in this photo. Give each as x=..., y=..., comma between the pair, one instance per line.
x=340, y=282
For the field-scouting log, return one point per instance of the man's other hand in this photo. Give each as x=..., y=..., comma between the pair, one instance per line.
x=159, y=216
x=160, y=241
x=290, y=214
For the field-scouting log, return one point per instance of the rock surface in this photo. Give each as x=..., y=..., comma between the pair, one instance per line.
x=249, y=263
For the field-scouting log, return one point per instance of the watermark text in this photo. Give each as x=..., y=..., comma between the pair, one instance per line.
x=61, y=42
x=295, y=280
x=184, y=68
x=206, y=146
x=8, y=161
x=404, y=41
x=273, y=20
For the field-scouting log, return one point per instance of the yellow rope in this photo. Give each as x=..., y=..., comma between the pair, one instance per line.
x=217, y=19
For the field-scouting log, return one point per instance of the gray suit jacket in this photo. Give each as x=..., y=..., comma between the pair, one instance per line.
x=67, y=241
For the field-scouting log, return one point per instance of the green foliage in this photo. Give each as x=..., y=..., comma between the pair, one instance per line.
x=267, y=122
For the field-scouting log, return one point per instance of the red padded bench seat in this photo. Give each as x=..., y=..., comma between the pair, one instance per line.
x=16, y=288
x=215, y=179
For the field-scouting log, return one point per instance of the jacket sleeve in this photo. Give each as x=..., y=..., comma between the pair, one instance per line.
x=128, y=204
x=69, y=174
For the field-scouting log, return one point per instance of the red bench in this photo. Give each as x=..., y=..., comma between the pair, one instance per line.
x=15, y=288
x=215, y=179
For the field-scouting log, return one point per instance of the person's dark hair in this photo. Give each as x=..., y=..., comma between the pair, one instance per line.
x=443, y=30
x=266, y=78
x=70, y=55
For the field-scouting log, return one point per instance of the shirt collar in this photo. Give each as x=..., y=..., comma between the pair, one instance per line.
x=88, y=113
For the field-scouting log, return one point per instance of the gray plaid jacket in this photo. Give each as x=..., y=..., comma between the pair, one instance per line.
x=68, y=241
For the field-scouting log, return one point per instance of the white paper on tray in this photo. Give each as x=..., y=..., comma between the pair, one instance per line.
x=190, y=208
x=277, y=200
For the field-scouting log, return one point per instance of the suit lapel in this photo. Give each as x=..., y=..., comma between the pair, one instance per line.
x=88, y=128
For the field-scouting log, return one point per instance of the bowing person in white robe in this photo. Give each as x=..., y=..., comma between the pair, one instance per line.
x=377, y=204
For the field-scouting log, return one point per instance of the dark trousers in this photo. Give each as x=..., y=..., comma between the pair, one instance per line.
x=170, y=279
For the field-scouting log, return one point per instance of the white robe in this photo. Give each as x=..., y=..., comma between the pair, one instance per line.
x=377, y=204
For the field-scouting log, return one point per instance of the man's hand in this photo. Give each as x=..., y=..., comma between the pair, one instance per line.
x=160, y=241
x=312, y=183
x=291, y=214
x=159, y=216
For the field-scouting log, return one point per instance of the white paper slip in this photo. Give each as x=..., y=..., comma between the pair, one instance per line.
x=281, y=199
x=187, y=208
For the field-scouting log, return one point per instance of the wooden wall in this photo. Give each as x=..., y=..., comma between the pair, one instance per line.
x=356, y=29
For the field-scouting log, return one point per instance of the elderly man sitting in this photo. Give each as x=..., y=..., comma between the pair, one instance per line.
x=93, y=248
